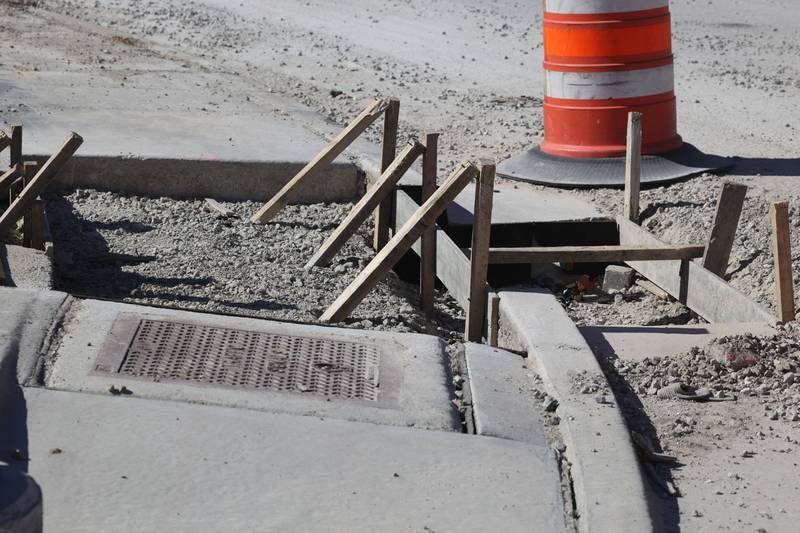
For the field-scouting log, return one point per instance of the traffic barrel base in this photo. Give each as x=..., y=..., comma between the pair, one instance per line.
x=536, y=166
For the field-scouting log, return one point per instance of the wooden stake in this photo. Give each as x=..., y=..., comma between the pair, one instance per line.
x=323, y=159
x=723, y=230
x=379, y=191
x=633, y=166
x=383, y=213
x=29, y=170
x=782, y=254
x=16, y=145
x=479, y=252
x=404, y=238
x=591, y=254
x=39, y=182
x=427, y=260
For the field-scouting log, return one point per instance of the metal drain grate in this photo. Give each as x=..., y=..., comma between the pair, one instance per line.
x=166, y=350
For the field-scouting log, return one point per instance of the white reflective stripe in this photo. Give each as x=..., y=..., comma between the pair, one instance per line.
x=587, y=7
x=605, y=85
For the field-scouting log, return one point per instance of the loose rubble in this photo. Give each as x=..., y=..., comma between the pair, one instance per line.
x=176, y=253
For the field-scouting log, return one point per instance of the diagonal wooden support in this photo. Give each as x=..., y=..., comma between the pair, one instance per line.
x=427, y=265
x=323, y=159
x=633, y=167
x=38, y=183
x=383, y=213
x=5, y=141
x=379, y=191
x=479, y=252
x=424, y=218
x=782, y=254
x=723, y=230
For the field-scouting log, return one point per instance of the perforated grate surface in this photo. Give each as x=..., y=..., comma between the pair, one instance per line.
x=165, y=350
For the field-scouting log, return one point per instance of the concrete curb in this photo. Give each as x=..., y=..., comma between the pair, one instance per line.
x=226, y=180
x=610, y=494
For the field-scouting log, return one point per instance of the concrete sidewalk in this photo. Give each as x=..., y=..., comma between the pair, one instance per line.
x=178, y=455
x=129, y=464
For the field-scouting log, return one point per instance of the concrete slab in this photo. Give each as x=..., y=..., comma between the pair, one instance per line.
x=603, y=462
x=414, y=386
x=129, y=464
x=513, y=204
x=639, y=342
x=502, y=403
x=26, y=268
x=168, y=137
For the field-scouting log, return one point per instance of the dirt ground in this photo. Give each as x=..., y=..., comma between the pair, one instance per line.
x=472, y=70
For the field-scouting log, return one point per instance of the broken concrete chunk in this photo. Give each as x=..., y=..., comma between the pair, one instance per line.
x=617, y=278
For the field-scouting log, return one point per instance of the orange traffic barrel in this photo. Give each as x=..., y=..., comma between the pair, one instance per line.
x=602, y=60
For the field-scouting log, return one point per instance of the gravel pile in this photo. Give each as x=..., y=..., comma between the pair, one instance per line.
x=177, y=253
x=764, y=368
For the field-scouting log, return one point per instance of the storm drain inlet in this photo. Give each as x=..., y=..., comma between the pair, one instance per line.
x=164, y=350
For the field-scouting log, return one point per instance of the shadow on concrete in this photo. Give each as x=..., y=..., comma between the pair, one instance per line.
x=765, y=166
x=663, y=504
x=13, y=408
x=700, y=330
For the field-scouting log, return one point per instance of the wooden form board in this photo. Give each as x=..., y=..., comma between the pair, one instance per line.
x=323, y=159
x=723, y=229
x=702, y=291
x=399, y=244
x=38, y=183
x=452, y=265
x=592, y=254
x=378, y=192
x=782, y=254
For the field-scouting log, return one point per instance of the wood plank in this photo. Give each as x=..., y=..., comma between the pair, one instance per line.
x=782, y=255
x=378, y=192
x=592, y=254
x=383, y=214
x=479, y=251
x=403, y=239
x=427, y=266
x=702, y=291
x=36, y=185
x=452, y=266
x=723, y=230
x=633, y=166
x=323, y=159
